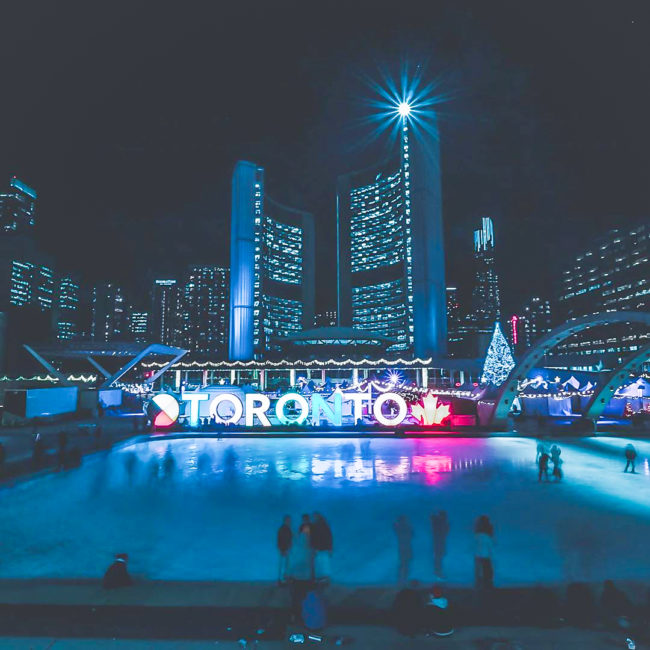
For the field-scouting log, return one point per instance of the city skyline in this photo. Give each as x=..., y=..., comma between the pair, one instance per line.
x=161, y=171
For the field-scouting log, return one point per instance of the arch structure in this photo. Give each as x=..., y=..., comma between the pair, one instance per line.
x=616, y=378
x=509, y=389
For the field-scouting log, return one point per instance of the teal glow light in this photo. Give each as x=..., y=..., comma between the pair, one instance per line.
x=404, y=109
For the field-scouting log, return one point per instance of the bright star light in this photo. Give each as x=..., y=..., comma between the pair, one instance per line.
x=404, y=109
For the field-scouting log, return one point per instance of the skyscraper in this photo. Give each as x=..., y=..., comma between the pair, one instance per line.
x=17, y=205
x=109, y=322
x=204, y=309
x=164, y=312
x=486, y=303
x=612, y=274
x=66, y=311
x=138, y=325
x=272, y=251
x=391, y=269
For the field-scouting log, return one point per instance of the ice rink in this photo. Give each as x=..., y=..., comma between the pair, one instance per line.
x=208, y=509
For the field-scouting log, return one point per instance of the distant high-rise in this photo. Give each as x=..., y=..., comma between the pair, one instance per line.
x=32, y=284
x=486, y=303
x=109, y=322
x=139, y=325
x=17, y=206
x=66, y=311
x=272, y=251
x=391, y=268
x=204, y=328
x=612, y=274
x=326, y=318
x=163, y=321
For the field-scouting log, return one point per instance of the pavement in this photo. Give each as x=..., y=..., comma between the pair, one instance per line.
x=375, y=638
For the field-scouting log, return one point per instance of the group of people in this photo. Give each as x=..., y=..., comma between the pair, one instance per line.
x=305, y=555
x=544, y=457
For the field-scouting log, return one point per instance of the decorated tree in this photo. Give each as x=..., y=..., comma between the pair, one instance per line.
x=498, y=360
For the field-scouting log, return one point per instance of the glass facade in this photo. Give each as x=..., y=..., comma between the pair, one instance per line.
x=17, y=206
x=67, y=309
x=613, y=275
x=272, y=268
x=31, y=284
x=391, y=252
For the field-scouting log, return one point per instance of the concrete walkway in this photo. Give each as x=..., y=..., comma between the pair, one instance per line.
x=377, y=638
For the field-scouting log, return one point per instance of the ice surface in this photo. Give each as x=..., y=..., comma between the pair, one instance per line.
x=211, y=511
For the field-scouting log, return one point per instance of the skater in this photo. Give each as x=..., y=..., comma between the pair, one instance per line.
x=284, y=541
x=557, y=462
x=484, y=544
x=439, y=530
x=117, y=575
x=404, y=532
x=321, y=544
x=540, y=450
x=543, y=466
x=630, y=455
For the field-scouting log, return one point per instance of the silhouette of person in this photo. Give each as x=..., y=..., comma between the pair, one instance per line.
x=284, y=542
x=322, y=544
x=439, y=530
x=117, y=574
x=630, y=455
x=543, y=466
x=404, y=533
x=483, y=549
x=557, y=462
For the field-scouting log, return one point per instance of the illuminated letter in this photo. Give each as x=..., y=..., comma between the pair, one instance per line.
x=237, y=405
x=358, y=399
x=401, y=409
x=194, y=399
x=333, y=413
x=252, y=410
x=298, y=399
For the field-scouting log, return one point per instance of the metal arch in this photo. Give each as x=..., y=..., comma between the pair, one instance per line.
x=508, y=390
x=601, y=397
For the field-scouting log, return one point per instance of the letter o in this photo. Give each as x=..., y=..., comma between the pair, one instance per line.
x=401, y=409
x=292, y=397
x=234, y=400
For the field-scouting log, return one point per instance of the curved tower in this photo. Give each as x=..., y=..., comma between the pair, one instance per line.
x=271, y=265
x=391, y=268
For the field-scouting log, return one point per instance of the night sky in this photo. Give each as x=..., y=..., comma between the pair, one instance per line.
x=127, y=118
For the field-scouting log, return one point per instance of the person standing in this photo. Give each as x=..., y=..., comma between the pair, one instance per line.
x=439, y=530
x=543, y=466
x=557, y=462
x=404, y=533
x=301, y=556
x=322, y=544
x=284, y=542
x=630, y=455
x=483, y=550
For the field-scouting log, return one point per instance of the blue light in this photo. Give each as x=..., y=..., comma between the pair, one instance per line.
x=404, y=109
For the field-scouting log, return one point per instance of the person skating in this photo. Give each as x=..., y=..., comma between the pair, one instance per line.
x=439, y=530
x=301, y=555
x=284, y=542
x=322, y=544
x=543, y=466
x=630, y=455
x=404, y=533
x=483, y=550
x=557, y=462
x=117, y=574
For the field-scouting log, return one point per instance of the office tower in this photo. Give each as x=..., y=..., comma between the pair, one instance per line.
x=66, y=311
x=272, y=251
x=486, y=304
x=454, y=336
x=325, y=318
x=139, y=325
x=204, y=328
x=612, y=275
x=31, y=284
x=164, y=312
x=17, y=205
x=534, y=320
x=391, y=269
x=109, y=317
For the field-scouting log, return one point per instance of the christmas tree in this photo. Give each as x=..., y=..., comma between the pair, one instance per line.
x=498, y=360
